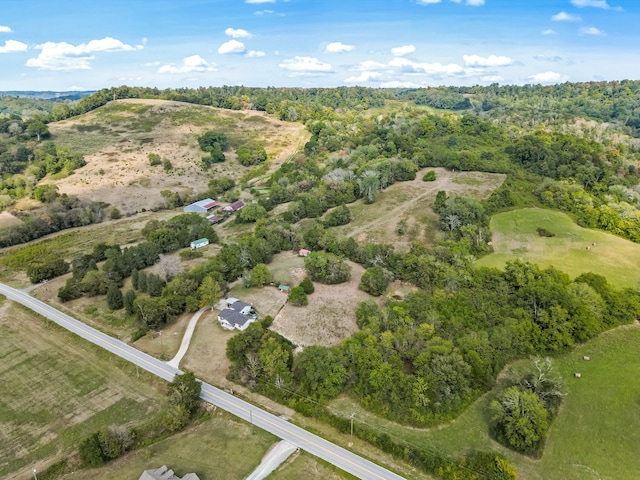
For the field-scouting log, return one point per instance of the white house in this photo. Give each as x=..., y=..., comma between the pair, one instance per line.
x=201, y=242
x=238, y=315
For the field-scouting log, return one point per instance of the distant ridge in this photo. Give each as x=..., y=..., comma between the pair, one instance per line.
x=47, y=95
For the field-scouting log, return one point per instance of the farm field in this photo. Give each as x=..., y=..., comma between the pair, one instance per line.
x=72, y=389
x=573, y=249
x=117, y=138
x=412, y=203
x=595, y=435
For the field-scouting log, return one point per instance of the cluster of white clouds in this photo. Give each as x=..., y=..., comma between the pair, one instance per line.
x=193, y=63
x=563, y=16
x=235, y=46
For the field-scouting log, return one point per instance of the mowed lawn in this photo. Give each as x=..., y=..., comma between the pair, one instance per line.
x=57, y=389
x=594, y=437
x=572, y=250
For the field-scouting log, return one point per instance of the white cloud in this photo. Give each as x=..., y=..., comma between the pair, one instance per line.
x=232, y=46
x=436, y=69
x=399, y=84
x=364, y=77
x=546, y=78
x=475, y=3
x=592, y=31
x=65, y=56
x=194, y=63
x=151, y=64
x=548, y=31
x=428, y=2
x=11, y=46
x=263, y=12
x=492, y=78
x=369, y=65
x=594, y=3
x=259, y=1
x=490, y=61
x=5, y=29
x=144, y=40
x=547, y=58
x=237, y=33
x=338, y=47
x=565, y=17
x=305, y=66
x=403, y=50
x=255, y=53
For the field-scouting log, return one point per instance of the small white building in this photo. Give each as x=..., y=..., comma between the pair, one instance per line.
x=237, y=316
x=201, y=242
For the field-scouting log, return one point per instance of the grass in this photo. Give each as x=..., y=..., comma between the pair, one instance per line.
x=304, y=465
x=57, y=389
x=221, y=448
x=595, y=435
x=515, y=237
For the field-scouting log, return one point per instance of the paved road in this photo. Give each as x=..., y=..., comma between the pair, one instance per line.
x=272, y=460
x=338, y=456
x=186, y=340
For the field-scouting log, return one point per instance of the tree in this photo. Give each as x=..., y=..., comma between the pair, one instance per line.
x=520, y=420
x=251, y=213
x=46, y=269
x=327, y=268
x=128, y=301
x=209, y=292
x=90, y=451
x=260, y=275
x=37, y=128
x=115, y=300
x=375, y=280
x=307, y=286
x=298, y=297
x=184, y=391
x=338, y=216
x=46, y=193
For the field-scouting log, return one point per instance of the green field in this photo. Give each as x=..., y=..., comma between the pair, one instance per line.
x=57, y=389
x=595, y=436
x=515, y=237
x=219, y=449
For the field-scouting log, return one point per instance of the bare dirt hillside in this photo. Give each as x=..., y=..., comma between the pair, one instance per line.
x=116, y=140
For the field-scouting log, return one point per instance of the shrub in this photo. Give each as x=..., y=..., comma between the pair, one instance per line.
x=307, y=286
x=298, y=297
x=543, y=232
x=375, y=280
x=154, y=159
x=430, y=176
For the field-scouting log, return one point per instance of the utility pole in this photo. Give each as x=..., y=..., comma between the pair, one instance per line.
x=352, y=415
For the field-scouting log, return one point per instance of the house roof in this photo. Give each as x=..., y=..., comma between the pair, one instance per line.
x=238, y=305
x=232, y=207
x=163, y=473
x=232, y=317
x=214, y=218
x=201, y=240
x=207, y=204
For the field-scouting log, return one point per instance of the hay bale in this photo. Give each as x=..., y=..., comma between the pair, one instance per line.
x=586, y=358
x=577, y=375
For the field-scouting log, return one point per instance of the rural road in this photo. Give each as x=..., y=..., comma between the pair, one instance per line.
x=335, y=455
x=272, y=460
x=186, y=340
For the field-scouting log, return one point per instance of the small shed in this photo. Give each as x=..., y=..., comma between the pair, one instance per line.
x=201, y=242
x=284, y=288
x=202, y=206
x=303, y=252
x=215, y=219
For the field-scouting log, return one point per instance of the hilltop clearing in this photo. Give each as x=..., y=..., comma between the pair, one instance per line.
x=116, y=140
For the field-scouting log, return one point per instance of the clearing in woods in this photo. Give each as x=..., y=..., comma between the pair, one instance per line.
x=573, y=249
x=56, y=390
x=412, y=204
x=117, y=138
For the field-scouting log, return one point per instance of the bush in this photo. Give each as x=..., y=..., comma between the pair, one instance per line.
x=114, y=214
x=430, y=176
x=375, y=280
x=543, y=232
x=298, y=297
x=154, y=159
x=307, y=286
x=47, y=269
x=338, y=216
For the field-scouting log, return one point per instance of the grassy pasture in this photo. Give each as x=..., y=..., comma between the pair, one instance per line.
x=595, y=435
x=57, y=389
x=515, y=237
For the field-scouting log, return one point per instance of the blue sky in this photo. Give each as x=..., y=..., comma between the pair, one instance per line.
x=315, y=43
